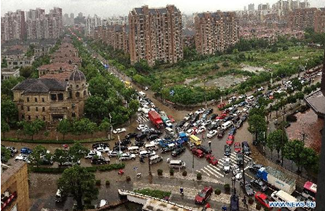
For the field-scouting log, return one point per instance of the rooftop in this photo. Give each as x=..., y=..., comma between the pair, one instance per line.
x=316, y=101
x=41, y=85
x=57, y=66
x=9, y=172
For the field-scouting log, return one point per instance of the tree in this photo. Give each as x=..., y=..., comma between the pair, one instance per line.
x=26, y=72
x=5, y=154
x=79, y=183
x=105, y=126
x=64, y=127
x=9, y=111
x=77, y=151
x=4, y=127
x=37, y=156
x=61, y=155
x=277, y=140
x=32, y=128
x=292, y=152
x=96, y=108
x=257, y=125
x=309, y=159
x=133, y=106
x=8, y=84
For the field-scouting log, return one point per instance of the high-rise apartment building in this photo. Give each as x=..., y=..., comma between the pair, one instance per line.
x=320, y=21
x=115, y=36
x=251, y=7
x=13, y=26
x=155, y=34
x=215, y=31
x=301, y=19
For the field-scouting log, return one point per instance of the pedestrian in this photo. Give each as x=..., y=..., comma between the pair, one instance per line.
x=209, y=144
x=224, y=208
x=181, y=190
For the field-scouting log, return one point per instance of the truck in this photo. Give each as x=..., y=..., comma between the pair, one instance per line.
x=277, y=179
x=155, y=119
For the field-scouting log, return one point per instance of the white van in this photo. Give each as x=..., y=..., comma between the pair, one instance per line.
x=146, y=153
x=177, y=164
x=284, y=197
x=133, y=149
x=250, y=98
x=155, y=159
x=226, y=125
x=151, y=146
x=142, y=94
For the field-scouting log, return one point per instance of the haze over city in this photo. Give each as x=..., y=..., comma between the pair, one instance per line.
x=106, y=8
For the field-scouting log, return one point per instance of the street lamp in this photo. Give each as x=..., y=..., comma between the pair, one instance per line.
x=110, y=122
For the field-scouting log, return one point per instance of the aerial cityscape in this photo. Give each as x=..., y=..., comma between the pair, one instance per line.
x=162, y=105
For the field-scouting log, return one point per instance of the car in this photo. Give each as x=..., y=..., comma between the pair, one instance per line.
x=200, y=111
x=13, y=150
x=237, y=147
x=146, y=153
x=239, y=124
x=227, y=150
x=197, y=152
x=240, y=159
x=255, y=167
x=228, y=118
x=127, y=156
x=212, y=133
x=226, y=165
x=213, y=126
x=119, y=130
x=140, y=136
x=237, y=172
x=171, y=119
x=206, y=123
x=221, y=133
x=204, y=195
x=263, y=199
x=153, y=137
x=114, y=153
x=258, y=183
x=247, y=188
x=234, y=202
x=213, y=117
x=100, y=160
x=25, y=150
x=260, y=89
x=103, y=149
x=22, y=157
x=178, y=151
x=221, y=105
x=131, y=135
x=205, y=149
x=211, y=159
x=246, y=148
x=230, y=140
x=222, y=116
x=232, y=131
x=142, y=127
x=96, y=145
x=209, y=111
x=92, y=153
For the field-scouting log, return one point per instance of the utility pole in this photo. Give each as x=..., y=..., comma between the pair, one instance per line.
x=110, y=122
x=192, y=163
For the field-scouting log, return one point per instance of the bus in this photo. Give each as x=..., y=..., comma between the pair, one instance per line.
x=283, y=197
x=195, y=140
x=309, y=191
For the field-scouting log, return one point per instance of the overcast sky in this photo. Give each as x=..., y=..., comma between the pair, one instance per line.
x=106, y=8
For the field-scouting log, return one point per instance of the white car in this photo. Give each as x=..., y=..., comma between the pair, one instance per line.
x=212, y=133
x=189, y=132
x=238, y=173
x=119, y=130
x=168, y=123
x=22, y=157
x=260, y=89
x=146, y=153
x=200, y=111
x=103, y=149
x=127, y=156
x=201, y=130
x=93, y=153
x=226, y=165
x=142, y=127
x=114, y=153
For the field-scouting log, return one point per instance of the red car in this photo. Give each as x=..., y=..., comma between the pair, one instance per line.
x=197, y=152
x=230, y=140
x=221, y=105
x=211, y=159
x=237, y=147
x=222, y=116
x=263, y=199
x=204, y=195
x=172, y=120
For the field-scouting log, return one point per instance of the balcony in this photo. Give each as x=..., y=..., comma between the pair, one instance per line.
x=7, y=198
x=58, y=110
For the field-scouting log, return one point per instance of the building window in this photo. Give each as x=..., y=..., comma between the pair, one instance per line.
x=27, y=99
x=43, y=99
x=22, y=107
x=53, y=96
x=35, y=100
x=22, y=116
x=28, y=109
x=85, y=93
x=77, y=94
x=73, y=115
x=36, y=108
x=43, y=118
x=43, y=109
x=60, y=96
x=77, y=86
x=28, y=117
x=36, y=117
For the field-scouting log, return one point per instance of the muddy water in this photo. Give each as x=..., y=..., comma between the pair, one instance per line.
x=309, y=124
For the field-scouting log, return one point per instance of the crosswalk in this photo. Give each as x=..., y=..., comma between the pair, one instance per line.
x=142, y=120
x=217, y=171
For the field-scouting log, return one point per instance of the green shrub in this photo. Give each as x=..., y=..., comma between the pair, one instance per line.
x=55, y=141
x=160, y=172
x=199, y=176
x=154, y=193
x=250, y=200
x=217, y=191
x=107, y=182
x=184, y=173
x=258, y=206
x=291, y=118
x=227, y=188
x=98, y=182
x=171, y=172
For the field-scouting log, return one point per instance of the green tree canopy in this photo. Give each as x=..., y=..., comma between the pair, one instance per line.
x=277, y=140
x=36, y=157
x=5, y=154
x=64, y=127
x=79, y=183
x=9, y=111
x=32, y=128
x=61, y=155
x=4, y=127
x=77, y=151
x=257, y=124
x=292, y=152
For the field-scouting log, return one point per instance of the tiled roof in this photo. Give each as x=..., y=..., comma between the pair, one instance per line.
x=64, y=76
x=57, y=66
x=41, y=85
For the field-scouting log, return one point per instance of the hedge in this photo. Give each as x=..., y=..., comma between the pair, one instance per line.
x=55, y=141
x=154, y=193
x=109, y=167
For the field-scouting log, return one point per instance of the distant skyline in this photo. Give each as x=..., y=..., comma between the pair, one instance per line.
x=107, y=8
